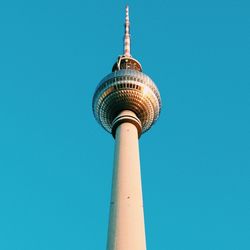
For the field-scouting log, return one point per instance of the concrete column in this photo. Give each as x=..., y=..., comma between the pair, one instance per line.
x=126, y=222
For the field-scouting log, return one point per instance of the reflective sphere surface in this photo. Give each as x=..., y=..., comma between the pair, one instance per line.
x=126, y=89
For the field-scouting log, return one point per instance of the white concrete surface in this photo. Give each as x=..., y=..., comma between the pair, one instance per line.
x=126, y=223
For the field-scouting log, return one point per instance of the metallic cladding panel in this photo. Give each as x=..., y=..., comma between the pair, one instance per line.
x=126, y=90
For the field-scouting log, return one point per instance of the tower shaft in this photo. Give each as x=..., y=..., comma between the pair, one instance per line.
x=126, y=222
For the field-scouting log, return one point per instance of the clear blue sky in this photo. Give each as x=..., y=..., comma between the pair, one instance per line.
x=56, y=161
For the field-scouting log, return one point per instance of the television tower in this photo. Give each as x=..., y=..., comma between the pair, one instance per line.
x=126, y=103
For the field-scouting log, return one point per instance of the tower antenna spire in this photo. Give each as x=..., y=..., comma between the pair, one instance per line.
x=127, y=34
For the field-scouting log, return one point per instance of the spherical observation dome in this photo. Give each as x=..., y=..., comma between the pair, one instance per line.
x=126, y=89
